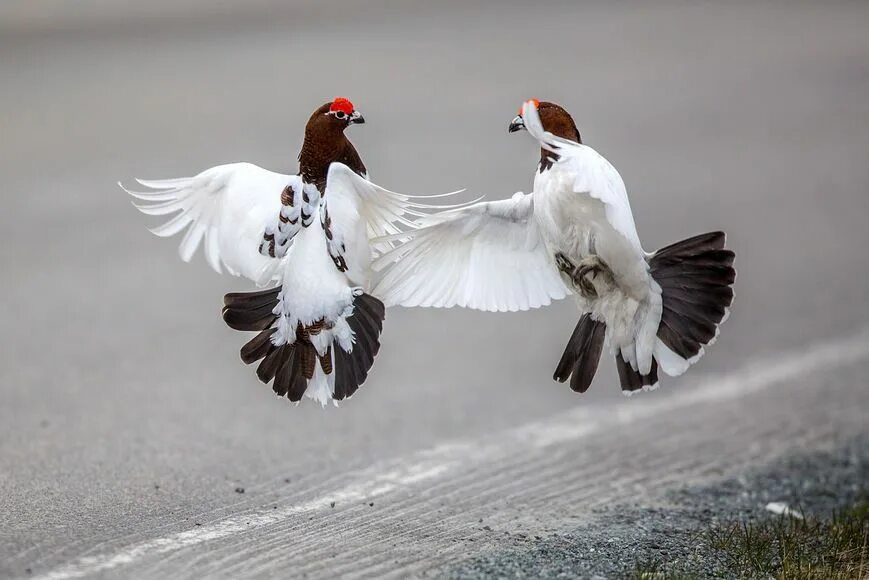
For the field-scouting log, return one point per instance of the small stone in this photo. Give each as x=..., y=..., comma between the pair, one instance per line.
x=239, y=490
x=332, y=504
x=371, y=504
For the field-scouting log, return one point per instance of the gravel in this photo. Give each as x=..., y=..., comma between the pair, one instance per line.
x=671, y=532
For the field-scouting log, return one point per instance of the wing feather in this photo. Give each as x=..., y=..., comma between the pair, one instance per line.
x=487, y=256
x=225, y=209
x=361, y=212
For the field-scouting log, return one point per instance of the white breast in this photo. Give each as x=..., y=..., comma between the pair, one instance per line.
x=313, y=286
x=576, y=224
x=568, y=221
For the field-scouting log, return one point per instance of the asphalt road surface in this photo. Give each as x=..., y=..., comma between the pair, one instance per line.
x=134, y=443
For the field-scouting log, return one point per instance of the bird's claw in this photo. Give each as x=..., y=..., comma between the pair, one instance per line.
x=583, y=277
x=583, y=274
x=565, y=264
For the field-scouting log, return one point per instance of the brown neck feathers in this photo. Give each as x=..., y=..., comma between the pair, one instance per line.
x=557, y=121
x=325, y=143
x=322, y=149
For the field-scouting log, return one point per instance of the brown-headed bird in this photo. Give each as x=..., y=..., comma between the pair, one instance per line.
x=574, y=233
x=318, y=328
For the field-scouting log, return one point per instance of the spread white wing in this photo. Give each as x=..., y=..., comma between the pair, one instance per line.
x=488, y=256
x=355, y=212
x=595, y=176
x=228, y=207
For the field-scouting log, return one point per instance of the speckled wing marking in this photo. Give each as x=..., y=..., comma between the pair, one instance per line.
x=310, y=201
x=355, y=209
x=277, y=237
x=298, y=207
x=336, y=247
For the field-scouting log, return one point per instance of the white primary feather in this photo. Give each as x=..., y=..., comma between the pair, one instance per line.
x=228, y=207
x=488, y=256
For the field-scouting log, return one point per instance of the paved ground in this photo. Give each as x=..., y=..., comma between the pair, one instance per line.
x=127, y=422
x=673, y=532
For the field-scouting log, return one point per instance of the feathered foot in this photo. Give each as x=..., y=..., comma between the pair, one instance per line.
x=585, y=273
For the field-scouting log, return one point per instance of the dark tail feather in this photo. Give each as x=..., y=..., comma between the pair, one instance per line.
x=284, y=364
x=240, y=299
x=254, y=311
x=351, y=368
x=298, y=384
x=272, y=362
x=291, y=366
x=696, y=277
x=632, y=380
x=582, y=354
x=258, y=347
x=250, y=310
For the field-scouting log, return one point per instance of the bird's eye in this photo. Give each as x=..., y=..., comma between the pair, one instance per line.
x=340, y=114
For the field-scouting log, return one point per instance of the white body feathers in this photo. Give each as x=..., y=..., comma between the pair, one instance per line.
x=578, y=226
x=231, y=207
x=500, y=256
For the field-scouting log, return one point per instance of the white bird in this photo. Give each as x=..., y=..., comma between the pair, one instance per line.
x=574, y=234
x=319, y=329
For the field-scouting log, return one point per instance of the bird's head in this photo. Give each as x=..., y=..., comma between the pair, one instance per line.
x=335, y=116
x=554, y=118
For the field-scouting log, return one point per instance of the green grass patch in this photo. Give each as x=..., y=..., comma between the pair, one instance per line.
x=789, y=547
x=783, y=547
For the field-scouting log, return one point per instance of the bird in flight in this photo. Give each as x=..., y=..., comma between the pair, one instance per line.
x=310, y=233
x=574, y=234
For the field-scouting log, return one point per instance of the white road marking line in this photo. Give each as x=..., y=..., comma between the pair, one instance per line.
x=443, y=459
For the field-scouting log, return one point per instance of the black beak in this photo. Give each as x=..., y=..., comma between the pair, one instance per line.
x=517, y=124
x=356, y=118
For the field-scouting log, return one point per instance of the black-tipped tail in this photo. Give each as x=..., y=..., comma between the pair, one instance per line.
x=582, y=354
x=632, y=380
x=351, y=368
x=289, y=367
x=695, y=276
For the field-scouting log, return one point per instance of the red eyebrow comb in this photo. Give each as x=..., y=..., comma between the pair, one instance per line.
x=341, y=104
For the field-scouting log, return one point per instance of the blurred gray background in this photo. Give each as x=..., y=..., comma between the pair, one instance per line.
x=125, y=413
